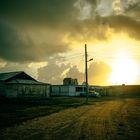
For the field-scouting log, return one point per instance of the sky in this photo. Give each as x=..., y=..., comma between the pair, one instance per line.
x=46, y=39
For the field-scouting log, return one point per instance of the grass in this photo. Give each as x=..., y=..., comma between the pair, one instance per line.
x=15, y=111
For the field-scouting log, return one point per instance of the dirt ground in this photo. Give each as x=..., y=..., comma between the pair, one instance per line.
x=107, y=120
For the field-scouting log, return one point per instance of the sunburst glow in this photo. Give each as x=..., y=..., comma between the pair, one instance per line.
x=124, y=70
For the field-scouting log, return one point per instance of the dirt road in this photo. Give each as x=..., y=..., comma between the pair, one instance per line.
x=109, y=120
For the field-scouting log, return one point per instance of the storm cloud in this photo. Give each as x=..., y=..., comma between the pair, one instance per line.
x=55, y=73
x=12, y=46
x=57, y=19
x=125, y=24
x=34, y=12
x=23, y=48
x=35, y=30
x=75, y=73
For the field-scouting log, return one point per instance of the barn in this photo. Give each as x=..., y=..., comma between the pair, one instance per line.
x=20, y=84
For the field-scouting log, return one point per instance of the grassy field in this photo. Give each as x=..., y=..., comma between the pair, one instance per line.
x=70, y=118
x=15, y=111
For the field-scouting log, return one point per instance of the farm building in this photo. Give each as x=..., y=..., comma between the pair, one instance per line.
x=20, y=84
x=70, y=87
x=67, y=90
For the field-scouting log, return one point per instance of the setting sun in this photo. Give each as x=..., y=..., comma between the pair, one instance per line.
x=124, y=70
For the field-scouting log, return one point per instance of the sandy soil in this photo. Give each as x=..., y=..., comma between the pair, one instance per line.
x=109, y=120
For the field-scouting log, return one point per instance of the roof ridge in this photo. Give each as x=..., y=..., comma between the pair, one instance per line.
x=11, y=72
x=8, y=75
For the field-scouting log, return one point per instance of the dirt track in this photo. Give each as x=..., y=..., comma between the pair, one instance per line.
x=108, y=120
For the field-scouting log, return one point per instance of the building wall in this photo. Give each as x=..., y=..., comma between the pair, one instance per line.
x=55, y=90
x=111, y=91
x=2, y=89
x=124, y=91
x=59, y=90
x=72, y=91
x=116, y=91
x=64, y=90
x=27, y=90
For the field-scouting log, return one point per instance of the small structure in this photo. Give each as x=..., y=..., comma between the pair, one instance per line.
x=20, y=84
x=70, y=87
x=67, y=90
x=70, y=81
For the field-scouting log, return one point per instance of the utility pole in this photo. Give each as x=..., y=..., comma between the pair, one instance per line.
x=86, y=73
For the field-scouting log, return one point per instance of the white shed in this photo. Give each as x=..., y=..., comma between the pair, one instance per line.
x=67, y=90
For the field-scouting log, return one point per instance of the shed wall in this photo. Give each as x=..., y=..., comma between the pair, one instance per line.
x=2, y=89
x=23, y=90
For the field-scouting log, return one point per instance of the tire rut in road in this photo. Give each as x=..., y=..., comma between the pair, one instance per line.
x=97, y=123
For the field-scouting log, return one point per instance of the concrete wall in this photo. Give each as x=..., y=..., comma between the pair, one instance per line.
x=111, y=91
x=125, y=91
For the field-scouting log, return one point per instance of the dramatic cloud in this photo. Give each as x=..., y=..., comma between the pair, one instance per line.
x=55, y=73
x=29, y=68
x=133, y=11
x=34, y=12
x=46, y=24
x=98, y=73
x=75, y=73
x=125, y=24
x=86, y=9
x=88, y=30
x=12, y=46
x=21, y=48
x=36, y=30
x=8, y=67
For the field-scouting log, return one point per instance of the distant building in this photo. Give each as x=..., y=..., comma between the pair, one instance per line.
x=119, y=90
x=70, y=81
x=20, y=84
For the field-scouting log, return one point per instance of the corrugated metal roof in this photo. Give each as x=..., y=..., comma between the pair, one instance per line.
x=18, y=77
x=8, y=75
x=23, y=81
